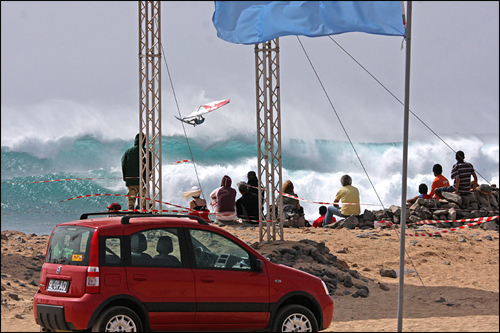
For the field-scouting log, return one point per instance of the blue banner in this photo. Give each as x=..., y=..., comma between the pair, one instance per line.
x=253, y=22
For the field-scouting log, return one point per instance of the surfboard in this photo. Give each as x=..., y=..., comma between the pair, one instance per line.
x=184, y=121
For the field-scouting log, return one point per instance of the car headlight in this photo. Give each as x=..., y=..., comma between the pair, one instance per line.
x=326, y=288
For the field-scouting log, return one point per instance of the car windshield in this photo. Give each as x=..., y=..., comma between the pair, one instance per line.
x=69, y=245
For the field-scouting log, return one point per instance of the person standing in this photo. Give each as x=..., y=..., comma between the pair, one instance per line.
x=224, y=200
x=348, y=194
x=461, y=173
x=130, y=171
x=439, y=181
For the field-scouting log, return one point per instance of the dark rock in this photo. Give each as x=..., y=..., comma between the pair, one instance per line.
x=362, y=292
x=348, y=282
x=388, y=273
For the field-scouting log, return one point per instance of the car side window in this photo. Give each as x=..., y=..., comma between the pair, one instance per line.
x=212, y=250
x=112, y=251
x=156, y=247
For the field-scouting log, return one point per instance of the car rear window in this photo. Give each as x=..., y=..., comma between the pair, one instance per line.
x=69, y=245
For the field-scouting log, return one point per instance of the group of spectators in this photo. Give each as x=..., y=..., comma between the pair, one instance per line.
x=227, y=208
x=461, y=173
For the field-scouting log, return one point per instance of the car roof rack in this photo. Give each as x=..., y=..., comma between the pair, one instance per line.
x=126, y=219
x=128, y=215
x=85, y=216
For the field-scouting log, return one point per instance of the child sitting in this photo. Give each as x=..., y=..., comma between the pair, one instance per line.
x=319, y=220
x=422, y=189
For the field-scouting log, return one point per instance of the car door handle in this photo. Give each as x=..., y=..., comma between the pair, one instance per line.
x=140, y=277
x=207, y=279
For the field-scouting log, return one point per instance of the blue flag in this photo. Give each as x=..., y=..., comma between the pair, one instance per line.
x=253, y=22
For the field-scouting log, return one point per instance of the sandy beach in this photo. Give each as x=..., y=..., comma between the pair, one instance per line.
x=454, y=287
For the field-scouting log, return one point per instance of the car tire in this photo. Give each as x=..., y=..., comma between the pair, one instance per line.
x=295, y=318
x=117, y=319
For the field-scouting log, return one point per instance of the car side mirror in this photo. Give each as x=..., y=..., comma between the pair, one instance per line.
x=259, y=266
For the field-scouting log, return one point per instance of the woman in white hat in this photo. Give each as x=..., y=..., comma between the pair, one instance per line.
x=197, y=204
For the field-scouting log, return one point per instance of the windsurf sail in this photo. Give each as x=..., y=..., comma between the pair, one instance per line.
x=206, y=108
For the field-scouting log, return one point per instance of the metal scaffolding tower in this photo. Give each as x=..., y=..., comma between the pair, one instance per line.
x=269, y=138
x=150, y=104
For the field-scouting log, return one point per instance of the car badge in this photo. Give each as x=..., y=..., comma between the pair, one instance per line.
x=58, y=270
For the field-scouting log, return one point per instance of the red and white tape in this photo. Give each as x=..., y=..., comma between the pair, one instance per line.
x=478, y=221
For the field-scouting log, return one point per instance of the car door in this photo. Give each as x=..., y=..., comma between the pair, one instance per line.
x=228, y=290
x=158, y=274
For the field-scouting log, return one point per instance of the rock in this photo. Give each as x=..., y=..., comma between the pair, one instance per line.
x=395, y=210
x=388, y=273
x=485, y=189
x=348, y=282
x=362, y=292
x=452, y=197
x=368, y=216
x=383, y=286
x=349, y=223
x=490, y=225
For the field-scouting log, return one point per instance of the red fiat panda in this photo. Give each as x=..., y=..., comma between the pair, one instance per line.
x=170, y=273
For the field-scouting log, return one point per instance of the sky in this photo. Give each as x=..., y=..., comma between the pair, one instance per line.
x=72, y=68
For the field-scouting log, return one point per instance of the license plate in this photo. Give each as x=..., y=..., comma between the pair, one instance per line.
x=59, y=286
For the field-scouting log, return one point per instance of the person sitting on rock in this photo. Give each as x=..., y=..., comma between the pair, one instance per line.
x=461, y=173
x=319, y=221
x=439, y=181
x=422, y=189
x=349, y=195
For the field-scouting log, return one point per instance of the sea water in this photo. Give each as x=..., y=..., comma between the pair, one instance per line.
x=314, y=167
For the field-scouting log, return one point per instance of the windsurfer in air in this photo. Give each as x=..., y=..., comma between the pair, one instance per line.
x=196, y=117
x=198, y=121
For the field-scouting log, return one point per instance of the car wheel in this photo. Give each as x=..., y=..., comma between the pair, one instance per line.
x=295, y=318
x=118, y=319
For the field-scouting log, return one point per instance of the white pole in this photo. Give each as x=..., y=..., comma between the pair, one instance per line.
x=405, y=171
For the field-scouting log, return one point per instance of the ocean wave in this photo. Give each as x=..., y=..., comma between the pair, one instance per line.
x=314, y=166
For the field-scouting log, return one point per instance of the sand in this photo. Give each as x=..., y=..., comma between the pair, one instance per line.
x=455, y=290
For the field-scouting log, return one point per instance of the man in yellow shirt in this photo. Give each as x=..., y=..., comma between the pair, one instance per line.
x=347, y=194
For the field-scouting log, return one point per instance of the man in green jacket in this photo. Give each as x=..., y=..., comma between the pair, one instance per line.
x=130, y=171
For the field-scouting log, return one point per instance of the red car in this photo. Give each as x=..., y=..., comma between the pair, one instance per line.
x=169, y=272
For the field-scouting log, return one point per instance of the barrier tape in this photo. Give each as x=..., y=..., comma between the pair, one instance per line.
x=462, y=220
x=479, y=221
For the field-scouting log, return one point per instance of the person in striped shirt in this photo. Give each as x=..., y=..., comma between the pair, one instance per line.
x=461, y=173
